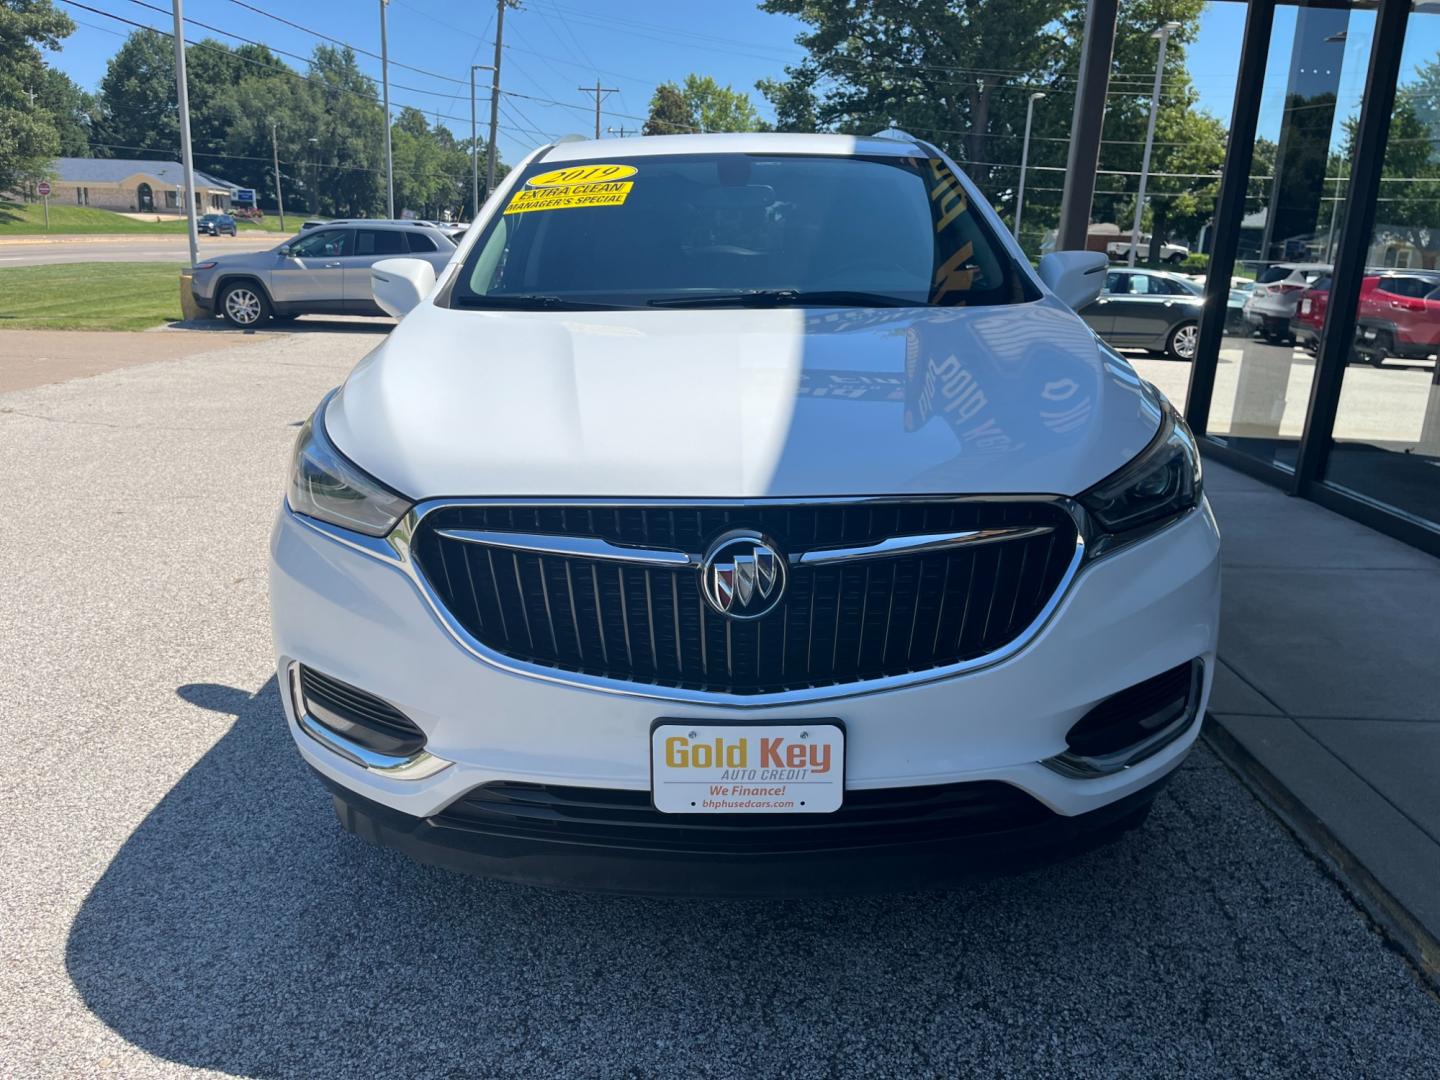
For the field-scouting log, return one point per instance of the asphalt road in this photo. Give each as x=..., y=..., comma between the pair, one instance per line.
x=81, y=249
x=179, y=900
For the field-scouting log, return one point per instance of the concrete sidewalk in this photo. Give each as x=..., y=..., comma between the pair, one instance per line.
x=1327, y=697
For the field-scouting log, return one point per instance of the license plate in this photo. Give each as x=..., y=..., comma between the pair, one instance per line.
x=786, y=768
x=1369, y=334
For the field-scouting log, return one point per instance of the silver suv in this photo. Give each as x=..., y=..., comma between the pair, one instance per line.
x=324, y=270
x=1276, y=296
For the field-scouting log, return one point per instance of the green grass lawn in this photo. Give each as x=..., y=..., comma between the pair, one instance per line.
x=27, y=219
x=89, y=296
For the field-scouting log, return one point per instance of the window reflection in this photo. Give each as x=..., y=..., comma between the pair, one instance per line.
x=1386, y=445
x=1314, y=80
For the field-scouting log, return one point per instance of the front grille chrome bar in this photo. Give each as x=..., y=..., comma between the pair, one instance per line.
x=915, y=545
x=590, y=547
x=583, y=547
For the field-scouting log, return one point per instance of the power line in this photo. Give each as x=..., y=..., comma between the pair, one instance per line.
x=272, y=69
x=332, y=40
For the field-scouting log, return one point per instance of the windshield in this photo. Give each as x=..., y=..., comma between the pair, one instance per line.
x=737, y=229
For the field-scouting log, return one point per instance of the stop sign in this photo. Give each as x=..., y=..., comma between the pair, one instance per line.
x=43, y=187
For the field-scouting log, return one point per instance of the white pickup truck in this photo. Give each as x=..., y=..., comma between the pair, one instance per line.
x=1119, y=250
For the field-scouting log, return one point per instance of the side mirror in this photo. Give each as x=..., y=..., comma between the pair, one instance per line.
x=1076, y=277
x=285, y=252
x=399, y=284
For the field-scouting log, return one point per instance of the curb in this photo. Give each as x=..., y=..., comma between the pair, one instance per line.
x=1403, y=931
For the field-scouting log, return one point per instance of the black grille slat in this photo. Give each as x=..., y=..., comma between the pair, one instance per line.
x=626, y=818
x=838, y=623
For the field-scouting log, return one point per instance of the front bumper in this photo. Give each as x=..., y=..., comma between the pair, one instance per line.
x=681, y=869
x=1126, y=617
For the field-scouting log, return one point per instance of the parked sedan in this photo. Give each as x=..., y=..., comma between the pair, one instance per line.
x=216, y=225
x=324, y=270
x=1148, y=309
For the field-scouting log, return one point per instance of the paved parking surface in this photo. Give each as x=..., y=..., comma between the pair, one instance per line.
x=178, y=898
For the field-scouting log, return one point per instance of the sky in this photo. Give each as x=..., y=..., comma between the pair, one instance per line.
x=555, y=46
x=552, y=48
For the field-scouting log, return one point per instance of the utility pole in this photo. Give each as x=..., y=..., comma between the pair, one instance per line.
x=1163, y=33
x=494, y=100
x=474, y=145
x=279, y=194
x=182, y=94
x=599, y=92
x=385, y=81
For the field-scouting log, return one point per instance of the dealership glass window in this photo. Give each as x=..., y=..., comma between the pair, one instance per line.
x=1386, y=437
x=1314, y=80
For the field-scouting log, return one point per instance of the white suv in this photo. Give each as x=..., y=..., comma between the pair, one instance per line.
x=742, y=514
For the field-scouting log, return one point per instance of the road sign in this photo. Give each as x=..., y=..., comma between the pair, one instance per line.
x=43, y=188
x=245, y=196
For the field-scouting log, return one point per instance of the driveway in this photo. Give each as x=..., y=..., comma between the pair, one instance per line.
x=179, y=900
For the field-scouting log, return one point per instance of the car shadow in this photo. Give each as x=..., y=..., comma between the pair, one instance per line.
x=303, y=324
x=240, y=929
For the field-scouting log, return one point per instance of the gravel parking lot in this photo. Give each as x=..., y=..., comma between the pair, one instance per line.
x=178, y=898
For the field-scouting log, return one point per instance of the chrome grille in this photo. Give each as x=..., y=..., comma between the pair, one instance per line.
x=838, y=623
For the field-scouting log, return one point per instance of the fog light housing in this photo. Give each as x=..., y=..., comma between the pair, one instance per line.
x=1135, y=724
x=360, y=727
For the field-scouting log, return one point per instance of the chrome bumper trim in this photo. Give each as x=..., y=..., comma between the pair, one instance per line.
x=1083, y=767
x=417, y=766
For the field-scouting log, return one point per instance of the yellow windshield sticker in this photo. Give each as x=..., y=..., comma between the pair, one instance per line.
x=577, y=186
x=582, y=174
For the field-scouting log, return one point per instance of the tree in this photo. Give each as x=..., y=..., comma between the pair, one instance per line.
x=1409, y=206
x=71, y=111
x=350, y=154
x=28, y=134
x=137, y=100
x=719, y=108
x=700, y=104
x=961, y=75
x=670, y=113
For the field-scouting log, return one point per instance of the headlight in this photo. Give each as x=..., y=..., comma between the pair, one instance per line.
x=1153, y=490
x=325, y=485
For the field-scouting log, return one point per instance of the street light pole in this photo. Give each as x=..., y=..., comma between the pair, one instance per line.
x=279, y=195
x=315, y=175
x=1163, y=33
x=182, y=99
x=1025, y=160
x=385, y=81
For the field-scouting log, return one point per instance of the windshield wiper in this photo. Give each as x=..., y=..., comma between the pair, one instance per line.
x=533, y=303
x=786, y=298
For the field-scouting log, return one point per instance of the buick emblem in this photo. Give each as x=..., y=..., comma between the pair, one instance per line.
x=742, y=576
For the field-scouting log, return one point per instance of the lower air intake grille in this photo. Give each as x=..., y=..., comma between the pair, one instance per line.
x=612, y=818
x=838, y=623
x=361, y=717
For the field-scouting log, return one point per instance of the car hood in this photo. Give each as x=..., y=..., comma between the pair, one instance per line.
x=743, y=403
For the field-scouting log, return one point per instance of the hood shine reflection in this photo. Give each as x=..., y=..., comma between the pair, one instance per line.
x=742, y=403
